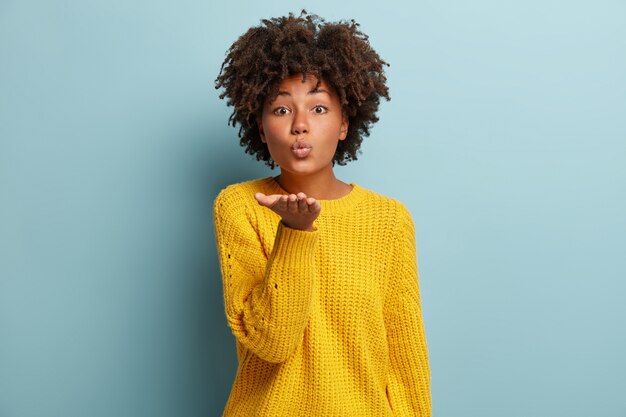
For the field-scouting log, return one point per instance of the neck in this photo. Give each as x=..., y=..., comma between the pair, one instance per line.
x=321, y=185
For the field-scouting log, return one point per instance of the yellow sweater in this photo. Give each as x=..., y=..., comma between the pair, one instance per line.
x=329, y=322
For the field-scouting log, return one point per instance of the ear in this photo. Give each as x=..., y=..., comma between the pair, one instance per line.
x=343, y=130
x=259, y=122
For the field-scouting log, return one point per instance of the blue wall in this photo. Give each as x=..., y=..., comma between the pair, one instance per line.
x=505, y=137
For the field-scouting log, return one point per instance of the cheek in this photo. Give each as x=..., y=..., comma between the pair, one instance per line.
x=333, y=130
x=274, y=128
x=276, y=144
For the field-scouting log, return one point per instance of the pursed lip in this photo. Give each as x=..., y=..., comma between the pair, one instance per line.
x=301, y=144
x=301, y=149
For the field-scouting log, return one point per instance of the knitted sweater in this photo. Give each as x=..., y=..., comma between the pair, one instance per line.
x=328, y=322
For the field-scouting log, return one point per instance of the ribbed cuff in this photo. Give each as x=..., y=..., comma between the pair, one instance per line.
x=292, y=264
x=294, y=246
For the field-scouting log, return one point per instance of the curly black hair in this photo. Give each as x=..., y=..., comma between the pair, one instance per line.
x=337, y=52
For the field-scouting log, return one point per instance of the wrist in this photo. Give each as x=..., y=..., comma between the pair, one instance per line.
x=304, y=228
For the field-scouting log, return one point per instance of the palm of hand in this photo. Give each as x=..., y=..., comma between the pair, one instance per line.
x=296, y=210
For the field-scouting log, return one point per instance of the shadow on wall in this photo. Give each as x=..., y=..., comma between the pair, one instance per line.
x=226, y=163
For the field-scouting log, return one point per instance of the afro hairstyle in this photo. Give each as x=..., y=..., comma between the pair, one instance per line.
x=337, y=52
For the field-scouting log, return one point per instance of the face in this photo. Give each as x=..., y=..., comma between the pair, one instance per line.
x=303, y=125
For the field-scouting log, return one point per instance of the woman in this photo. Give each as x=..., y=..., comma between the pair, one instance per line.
x=320, y=276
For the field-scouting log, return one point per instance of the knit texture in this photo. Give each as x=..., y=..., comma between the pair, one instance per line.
x=328, y=322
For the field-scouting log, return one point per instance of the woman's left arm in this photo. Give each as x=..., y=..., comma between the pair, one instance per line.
x=408, y=385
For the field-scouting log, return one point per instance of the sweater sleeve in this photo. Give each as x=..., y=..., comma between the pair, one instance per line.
x=408, y=385
x=267, y=299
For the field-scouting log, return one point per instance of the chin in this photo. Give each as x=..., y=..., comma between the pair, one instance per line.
x=299, y=169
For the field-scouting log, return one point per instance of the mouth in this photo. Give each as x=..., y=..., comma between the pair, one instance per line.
x=301, y=149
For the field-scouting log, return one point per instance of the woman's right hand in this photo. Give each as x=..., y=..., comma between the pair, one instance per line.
x=297, y=210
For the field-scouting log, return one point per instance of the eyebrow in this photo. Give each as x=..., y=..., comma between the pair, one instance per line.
x=314, y=91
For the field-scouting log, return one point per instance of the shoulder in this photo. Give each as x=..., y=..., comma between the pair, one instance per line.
x=236, y=201
x=389, y=206
x=240, y=194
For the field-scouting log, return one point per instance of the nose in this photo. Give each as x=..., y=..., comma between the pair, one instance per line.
x=300, y=123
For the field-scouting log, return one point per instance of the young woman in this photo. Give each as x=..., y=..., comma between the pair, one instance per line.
x=320, y=276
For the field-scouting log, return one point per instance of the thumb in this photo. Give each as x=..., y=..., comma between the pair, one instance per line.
x=265, y=200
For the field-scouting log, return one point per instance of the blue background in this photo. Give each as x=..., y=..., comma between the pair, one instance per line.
x=505, y=137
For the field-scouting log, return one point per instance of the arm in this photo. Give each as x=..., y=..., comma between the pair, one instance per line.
x=266, y=298
x=408, y=385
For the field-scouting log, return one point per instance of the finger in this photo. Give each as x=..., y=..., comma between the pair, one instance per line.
x=313, y=204
x=261, y=198
x=282, y=203
x=302, y=205
x=266, y=200
x=292, y=207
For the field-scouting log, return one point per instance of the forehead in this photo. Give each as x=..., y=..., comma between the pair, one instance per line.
x=298, y=82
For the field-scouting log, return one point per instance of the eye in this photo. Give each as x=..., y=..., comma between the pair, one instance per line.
x=320, y=109
x=280, y=111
